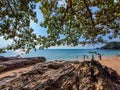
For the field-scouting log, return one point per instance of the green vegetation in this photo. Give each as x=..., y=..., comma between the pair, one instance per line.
x=2, y=51
x=112, y=45
x=15, y=16
x=74, y=20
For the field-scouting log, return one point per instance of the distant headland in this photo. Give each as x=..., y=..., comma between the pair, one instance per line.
x=112, y=45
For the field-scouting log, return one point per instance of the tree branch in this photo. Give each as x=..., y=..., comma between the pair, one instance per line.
x=10, y=7
x=14, y=5
x=92, y=20
x=69, y=6
x=1, y=3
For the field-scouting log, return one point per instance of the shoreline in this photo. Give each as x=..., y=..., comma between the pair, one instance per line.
x=63, y=54
x=88, y=59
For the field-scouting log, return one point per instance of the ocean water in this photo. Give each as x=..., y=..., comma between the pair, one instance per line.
x=63, y=54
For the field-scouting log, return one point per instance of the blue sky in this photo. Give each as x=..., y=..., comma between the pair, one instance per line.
x=42, y=31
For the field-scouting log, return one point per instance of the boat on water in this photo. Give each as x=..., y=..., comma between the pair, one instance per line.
x=92, y=52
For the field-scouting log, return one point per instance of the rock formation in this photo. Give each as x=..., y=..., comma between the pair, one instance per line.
x=64, y=75
x=7, y=64
x=3, y=59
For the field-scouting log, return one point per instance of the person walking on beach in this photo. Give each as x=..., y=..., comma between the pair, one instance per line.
x=85, y=57
x=92, y=58
x=99, y=56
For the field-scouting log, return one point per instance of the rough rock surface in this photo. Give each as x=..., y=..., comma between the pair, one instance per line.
x=3, y=58
x=14, y=63
x=64, y=75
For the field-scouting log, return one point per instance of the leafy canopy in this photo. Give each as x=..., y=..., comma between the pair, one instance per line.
x=15, y=16
x=70, y=22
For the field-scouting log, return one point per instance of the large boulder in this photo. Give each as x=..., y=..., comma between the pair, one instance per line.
x=3, y=58
x=65, y=75
x=2, y=68
x=21, y=62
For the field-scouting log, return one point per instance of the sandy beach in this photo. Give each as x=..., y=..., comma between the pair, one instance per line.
x=16, y=72
x=112, y=62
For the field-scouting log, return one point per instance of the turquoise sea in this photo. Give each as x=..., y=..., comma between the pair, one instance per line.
x=63, y=54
